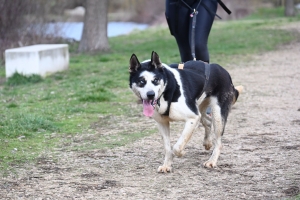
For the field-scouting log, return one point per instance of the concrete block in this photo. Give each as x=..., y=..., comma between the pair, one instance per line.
x=42, y=59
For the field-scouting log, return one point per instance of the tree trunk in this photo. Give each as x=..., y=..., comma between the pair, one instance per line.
x=289, y=8
x=278, y=3
x=94, y=36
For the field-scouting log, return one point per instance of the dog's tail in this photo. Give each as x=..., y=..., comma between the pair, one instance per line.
x=237, y=91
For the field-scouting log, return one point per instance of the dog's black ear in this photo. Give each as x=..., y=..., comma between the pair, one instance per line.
x=134, y=64
x=155, y=61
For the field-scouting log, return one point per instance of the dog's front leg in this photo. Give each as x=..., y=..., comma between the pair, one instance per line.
x=186, y=135
x=164, y=129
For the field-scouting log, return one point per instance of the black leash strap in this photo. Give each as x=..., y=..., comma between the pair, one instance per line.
x=224, y=7
x=193, y=34
x=207, y=74
x=211, y=12
x=194, y=16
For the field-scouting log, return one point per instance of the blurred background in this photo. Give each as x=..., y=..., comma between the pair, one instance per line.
x=27, y=22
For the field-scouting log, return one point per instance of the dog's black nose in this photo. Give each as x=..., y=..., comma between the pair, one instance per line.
x=151, y=94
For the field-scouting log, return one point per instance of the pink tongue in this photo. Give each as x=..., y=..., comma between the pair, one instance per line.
x=148, y=108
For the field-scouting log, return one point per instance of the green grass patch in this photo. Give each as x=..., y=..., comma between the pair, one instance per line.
x=267, y=13
x=96, y=95
x=19, y=79
x=271, y=14
x=25, y=124
x=17, y=151
x=235, y=38
x=67, y=103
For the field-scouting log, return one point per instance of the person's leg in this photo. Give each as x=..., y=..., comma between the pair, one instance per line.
x=203, y=26
x=178, y=17
x=180, y=25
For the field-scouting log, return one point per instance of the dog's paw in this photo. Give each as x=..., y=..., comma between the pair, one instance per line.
x=177, y=152
x=210, y=164
x=164, y=169
x=207, y=145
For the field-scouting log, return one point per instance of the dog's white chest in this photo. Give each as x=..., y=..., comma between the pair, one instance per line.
x=162, y=107
x=178, y=111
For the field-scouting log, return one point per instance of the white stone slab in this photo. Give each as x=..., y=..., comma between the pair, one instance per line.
x=42, y=59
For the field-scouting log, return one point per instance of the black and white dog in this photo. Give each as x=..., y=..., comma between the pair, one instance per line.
x=183, y=93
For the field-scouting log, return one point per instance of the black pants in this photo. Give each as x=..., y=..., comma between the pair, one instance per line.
x=180, y=25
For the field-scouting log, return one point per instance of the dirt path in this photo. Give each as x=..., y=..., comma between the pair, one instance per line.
x=260, y=158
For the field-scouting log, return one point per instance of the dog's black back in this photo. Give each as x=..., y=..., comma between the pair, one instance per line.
x=219, y=84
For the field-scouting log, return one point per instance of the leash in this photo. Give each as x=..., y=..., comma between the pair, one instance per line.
x=194, y=16
x=224, y=7
x=207, y=73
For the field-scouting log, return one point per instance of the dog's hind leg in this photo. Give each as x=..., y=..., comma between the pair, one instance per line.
x=206, y=122
x=218, y=125
x=186, y=135
x=164, y=129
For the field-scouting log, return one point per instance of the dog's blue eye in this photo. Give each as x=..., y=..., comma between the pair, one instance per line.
x=141, y=82
x=155, y=81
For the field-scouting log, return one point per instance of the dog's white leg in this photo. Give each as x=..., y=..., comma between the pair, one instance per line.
x=206, y=122
x=164, y=129
x=186, y=135
x=218, y=128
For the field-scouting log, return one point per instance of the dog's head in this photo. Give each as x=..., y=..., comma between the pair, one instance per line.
x=147, y=81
